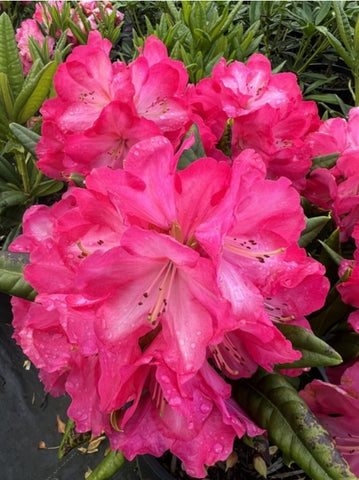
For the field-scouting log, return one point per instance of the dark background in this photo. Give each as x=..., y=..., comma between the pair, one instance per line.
x=28, y=416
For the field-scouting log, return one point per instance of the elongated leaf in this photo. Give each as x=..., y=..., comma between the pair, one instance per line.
x=71, y=439
x=26, y=137
x=47, y=187
x=108, y=467
x=344, y=27
x=313, y=227
x=335, y=43
x=325, y=161
x=315, y=352
x=276, y=406
x=36, y=91
x=6, y=96
x=8, y=172
x=9, y=198
x=332, y=253
x=193, y=153
x=10, y=62
x=11, y=275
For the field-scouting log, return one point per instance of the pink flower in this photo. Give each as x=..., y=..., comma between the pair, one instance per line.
x=266, y=111
x=103, y=108
x=108, y=141
x=29, y=28
x=349, y=289
x=160, y=84
x=164, y=280
x=336, y=188
x=195, y=419
x=337, y=408
x=262, y=272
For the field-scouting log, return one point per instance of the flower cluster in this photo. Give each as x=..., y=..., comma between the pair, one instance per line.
x=39, y=26
x=156, y=286
x=336, y=188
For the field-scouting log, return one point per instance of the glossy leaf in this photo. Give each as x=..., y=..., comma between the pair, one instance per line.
x=325, y=161
x=315, y=352
x=9, y=198
x=11, y=275
x=332, y=253
x=34, y=93
x=313, y=227
x=193, y=153
x=10, y=62
x=8, y=172
x=6, y=96
x=276, y=406
x=26, y=137
x=108, y=467
x=47, y=187
x=337, y=45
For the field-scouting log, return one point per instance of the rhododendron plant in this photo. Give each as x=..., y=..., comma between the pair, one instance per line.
x=177, y=277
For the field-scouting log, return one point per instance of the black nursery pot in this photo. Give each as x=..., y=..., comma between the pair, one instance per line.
x=150, y=468
x=29, y=416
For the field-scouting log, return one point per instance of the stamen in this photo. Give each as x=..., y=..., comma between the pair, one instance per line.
x=231, y=351
x=114, y=421
x=245, y=248
x=275, y=315
x=84, y=252
x=192, y=242
x=176, y=232
x=157, y=396
x=164, y=294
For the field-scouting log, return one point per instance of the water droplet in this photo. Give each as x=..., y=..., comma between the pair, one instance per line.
x=190, y=425
x=164, y=379
x=218, y=448
x=205, y=408
x=175, y=401
x=198, y=332
x=193, y=345
x=181, y=342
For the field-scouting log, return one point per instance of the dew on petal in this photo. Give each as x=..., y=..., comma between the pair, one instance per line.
x=218, y=448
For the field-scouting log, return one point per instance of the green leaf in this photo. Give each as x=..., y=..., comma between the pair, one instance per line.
x=347, y=344
x=196, y=151
x=108, y=467
x=11, y=275
x=8, y=172
x=338, y=46
x=34, y=93
x=332, y=253
x=312, y=229
x=26, y=137
x=47, y=187
x=71, y=439
x=276, y=406
x=6, y=96
x=333, y=312
x=9, y=198
x=10, y=63
x=325, y=161
x=344, y=27
x=315, y=352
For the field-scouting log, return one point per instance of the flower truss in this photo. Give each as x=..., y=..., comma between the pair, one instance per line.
x=161, y=280
x=40, y=26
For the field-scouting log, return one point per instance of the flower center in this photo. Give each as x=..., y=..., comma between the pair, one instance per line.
x=163, y=284
x=227, y=357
